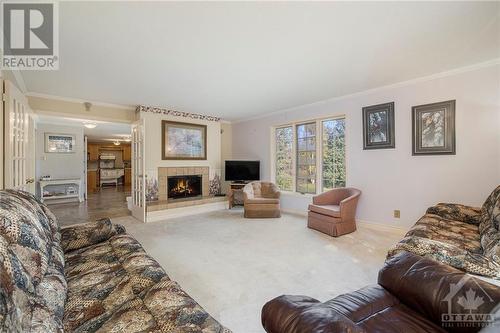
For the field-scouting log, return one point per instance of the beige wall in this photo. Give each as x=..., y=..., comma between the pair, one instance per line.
x=154, y=138
x=59, y=166
x=76, y=109
x=392, y=178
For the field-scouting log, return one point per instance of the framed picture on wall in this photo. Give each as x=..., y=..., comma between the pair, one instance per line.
x=60, y=143
x=378, y=126
x=434, y=129
x=183, y=141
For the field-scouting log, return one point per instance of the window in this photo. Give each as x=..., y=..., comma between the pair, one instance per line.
x=333, y=153
x=306, y=158
x=310, y=156
x=284, y=158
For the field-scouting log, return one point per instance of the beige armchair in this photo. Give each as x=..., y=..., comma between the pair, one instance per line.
x=261, y=199
x=334, y=212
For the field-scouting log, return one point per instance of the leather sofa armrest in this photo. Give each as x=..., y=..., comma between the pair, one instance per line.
x=83, y=235
x=434, y=289
x=302, y=314
x=456, y=212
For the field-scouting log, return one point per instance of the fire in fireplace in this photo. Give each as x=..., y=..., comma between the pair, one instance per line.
x=184, y=187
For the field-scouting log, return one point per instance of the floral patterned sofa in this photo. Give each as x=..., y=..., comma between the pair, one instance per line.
x=464, y=237
x=87, y=278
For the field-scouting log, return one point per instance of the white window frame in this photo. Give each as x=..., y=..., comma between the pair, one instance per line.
x=319, y=151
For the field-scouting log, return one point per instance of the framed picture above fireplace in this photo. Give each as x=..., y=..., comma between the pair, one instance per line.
x=183, y=141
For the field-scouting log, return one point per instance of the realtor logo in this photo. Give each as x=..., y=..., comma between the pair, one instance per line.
x=30, y=35
x=466, y=305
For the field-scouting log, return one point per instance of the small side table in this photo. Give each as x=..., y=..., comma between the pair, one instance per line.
x=235, y=195
x=75, y=182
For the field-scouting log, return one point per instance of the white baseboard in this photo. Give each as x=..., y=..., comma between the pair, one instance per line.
x=294, y=212
x=360, y=222
x=165, y=214
x=381, y=226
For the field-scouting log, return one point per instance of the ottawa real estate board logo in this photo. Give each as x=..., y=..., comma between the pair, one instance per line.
x=30, y=36
x=468, y=305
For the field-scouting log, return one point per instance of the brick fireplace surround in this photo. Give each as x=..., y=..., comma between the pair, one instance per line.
x=163, y=208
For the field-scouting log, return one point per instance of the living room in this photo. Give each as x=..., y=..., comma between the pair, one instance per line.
x=199, y=166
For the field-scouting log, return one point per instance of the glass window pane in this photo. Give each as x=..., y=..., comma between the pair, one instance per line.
x=311, y=129
x=301, y=144
x=301, y=185
x=301, y=131
x=333, y=153
x=302, y=158
x=311, y=143
x=311, y=185
x=306, y=158
x=284, y=158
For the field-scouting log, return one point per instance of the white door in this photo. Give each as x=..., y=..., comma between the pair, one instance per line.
x=85, y=144
x=138, y=171
x=19, y=171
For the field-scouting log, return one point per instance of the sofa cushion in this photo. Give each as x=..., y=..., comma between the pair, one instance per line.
x=456, y=212
x=174, y=310
x=489, y=226
x=490, y=212
x=33, y=287
x=87, y=234
x=371, y=309
x=460, y=234
x=262, y=201
x=329, y=210
x=452, y=255
x=110, y=288
x=298, y=314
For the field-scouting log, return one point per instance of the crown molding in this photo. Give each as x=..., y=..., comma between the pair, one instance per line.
x=80, y=101
x=453, y=72
x=20, y=80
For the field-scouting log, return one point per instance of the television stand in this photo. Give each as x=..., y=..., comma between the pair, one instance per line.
x=235, y=195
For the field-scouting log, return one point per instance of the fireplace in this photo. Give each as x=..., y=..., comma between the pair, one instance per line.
x=181, y=187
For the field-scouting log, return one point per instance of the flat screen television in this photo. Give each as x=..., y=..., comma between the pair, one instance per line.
x=242, y=170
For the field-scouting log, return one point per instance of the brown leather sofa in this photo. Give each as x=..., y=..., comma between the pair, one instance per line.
x=414, y=294
x=334, y=211
x=261, y=199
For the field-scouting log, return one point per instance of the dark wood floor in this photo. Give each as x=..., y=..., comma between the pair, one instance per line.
x=108, y=202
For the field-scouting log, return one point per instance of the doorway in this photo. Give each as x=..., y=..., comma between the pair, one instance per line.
x=101, y=161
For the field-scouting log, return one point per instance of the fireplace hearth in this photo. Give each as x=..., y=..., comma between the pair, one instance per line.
x=182, y=187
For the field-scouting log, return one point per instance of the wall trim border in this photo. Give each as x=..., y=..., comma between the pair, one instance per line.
x=158, y=110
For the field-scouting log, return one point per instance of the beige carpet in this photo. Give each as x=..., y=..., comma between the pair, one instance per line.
x=231, y=266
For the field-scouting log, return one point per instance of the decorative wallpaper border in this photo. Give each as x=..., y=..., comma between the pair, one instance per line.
x=153, y=109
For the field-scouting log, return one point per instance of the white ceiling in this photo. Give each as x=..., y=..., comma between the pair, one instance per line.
x=104, y=131
x=241, y=59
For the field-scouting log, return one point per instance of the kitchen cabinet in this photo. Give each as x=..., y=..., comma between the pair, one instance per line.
x=93, y=151
x=91, y=181
x=128, y=176
x=127, y=153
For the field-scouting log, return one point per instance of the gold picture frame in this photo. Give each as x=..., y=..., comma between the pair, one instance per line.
x=183, y=141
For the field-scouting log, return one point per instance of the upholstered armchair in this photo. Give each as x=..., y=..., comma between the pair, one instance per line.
x=261, y=199
x=334, y=211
